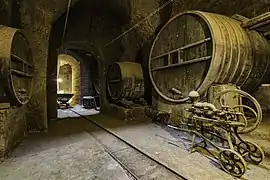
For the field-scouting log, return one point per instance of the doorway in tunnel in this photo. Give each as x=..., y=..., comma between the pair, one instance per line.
x=68, y=77
x=83, y=30
x=77, y=79
x=64, y=79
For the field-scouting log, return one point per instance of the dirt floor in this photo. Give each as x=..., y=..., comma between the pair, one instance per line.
x=69, y=151
x=66, y=113
x=66, y=152
x=171, y=148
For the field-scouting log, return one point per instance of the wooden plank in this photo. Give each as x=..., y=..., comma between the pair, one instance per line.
x=4, y=105
x=169, y=59
x=240, y=18
x=195, y=43
x=21, y=60
x=19, y=73
x=179, y=57
x=192, y=61
x=264, y=23
x=183, y=48
x=257, y=21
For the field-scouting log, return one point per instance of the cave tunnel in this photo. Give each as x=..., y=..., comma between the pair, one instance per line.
x=82, y=81
x=134, y=89
x=83, y=39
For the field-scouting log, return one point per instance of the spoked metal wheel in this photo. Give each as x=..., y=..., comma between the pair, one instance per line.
x=251, y=152
x=247, y=105
x=249, y=120
x=232, y=162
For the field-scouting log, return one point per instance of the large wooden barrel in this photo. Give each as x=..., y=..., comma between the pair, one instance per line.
x=16, y=66
x=196, y=49
x=125, y=80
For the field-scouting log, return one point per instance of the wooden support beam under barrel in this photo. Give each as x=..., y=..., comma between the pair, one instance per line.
x=257, y=21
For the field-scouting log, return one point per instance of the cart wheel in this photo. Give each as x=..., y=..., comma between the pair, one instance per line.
x=251, y=152
x=232, y=162
x=251, y=109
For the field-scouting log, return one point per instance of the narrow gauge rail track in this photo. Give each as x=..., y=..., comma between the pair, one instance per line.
x=133, y=174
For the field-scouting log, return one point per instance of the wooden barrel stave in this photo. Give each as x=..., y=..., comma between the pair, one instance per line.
x=235, y=36
x=261, y=62
x=227, y=69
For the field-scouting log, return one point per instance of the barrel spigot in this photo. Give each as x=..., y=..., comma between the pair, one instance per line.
x=194, y=96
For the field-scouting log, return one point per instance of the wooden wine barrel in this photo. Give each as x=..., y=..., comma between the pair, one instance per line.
x=16, y=66
x=261, y=62
x=196, y=49
x=125, y=80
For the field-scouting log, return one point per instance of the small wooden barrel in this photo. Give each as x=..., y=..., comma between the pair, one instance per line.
x=197, y=49
x=125, y=80
x=16, y=66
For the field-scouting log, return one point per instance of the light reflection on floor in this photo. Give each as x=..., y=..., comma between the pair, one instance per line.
x=66, y=113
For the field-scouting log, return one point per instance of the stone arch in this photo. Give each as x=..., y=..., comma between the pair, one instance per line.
x=86, y=36
x=70, y=46
x=75, y=66
x=85, y=46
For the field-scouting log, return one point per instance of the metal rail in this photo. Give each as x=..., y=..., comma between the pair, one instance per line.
x=124, y=166
x=129, y=144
